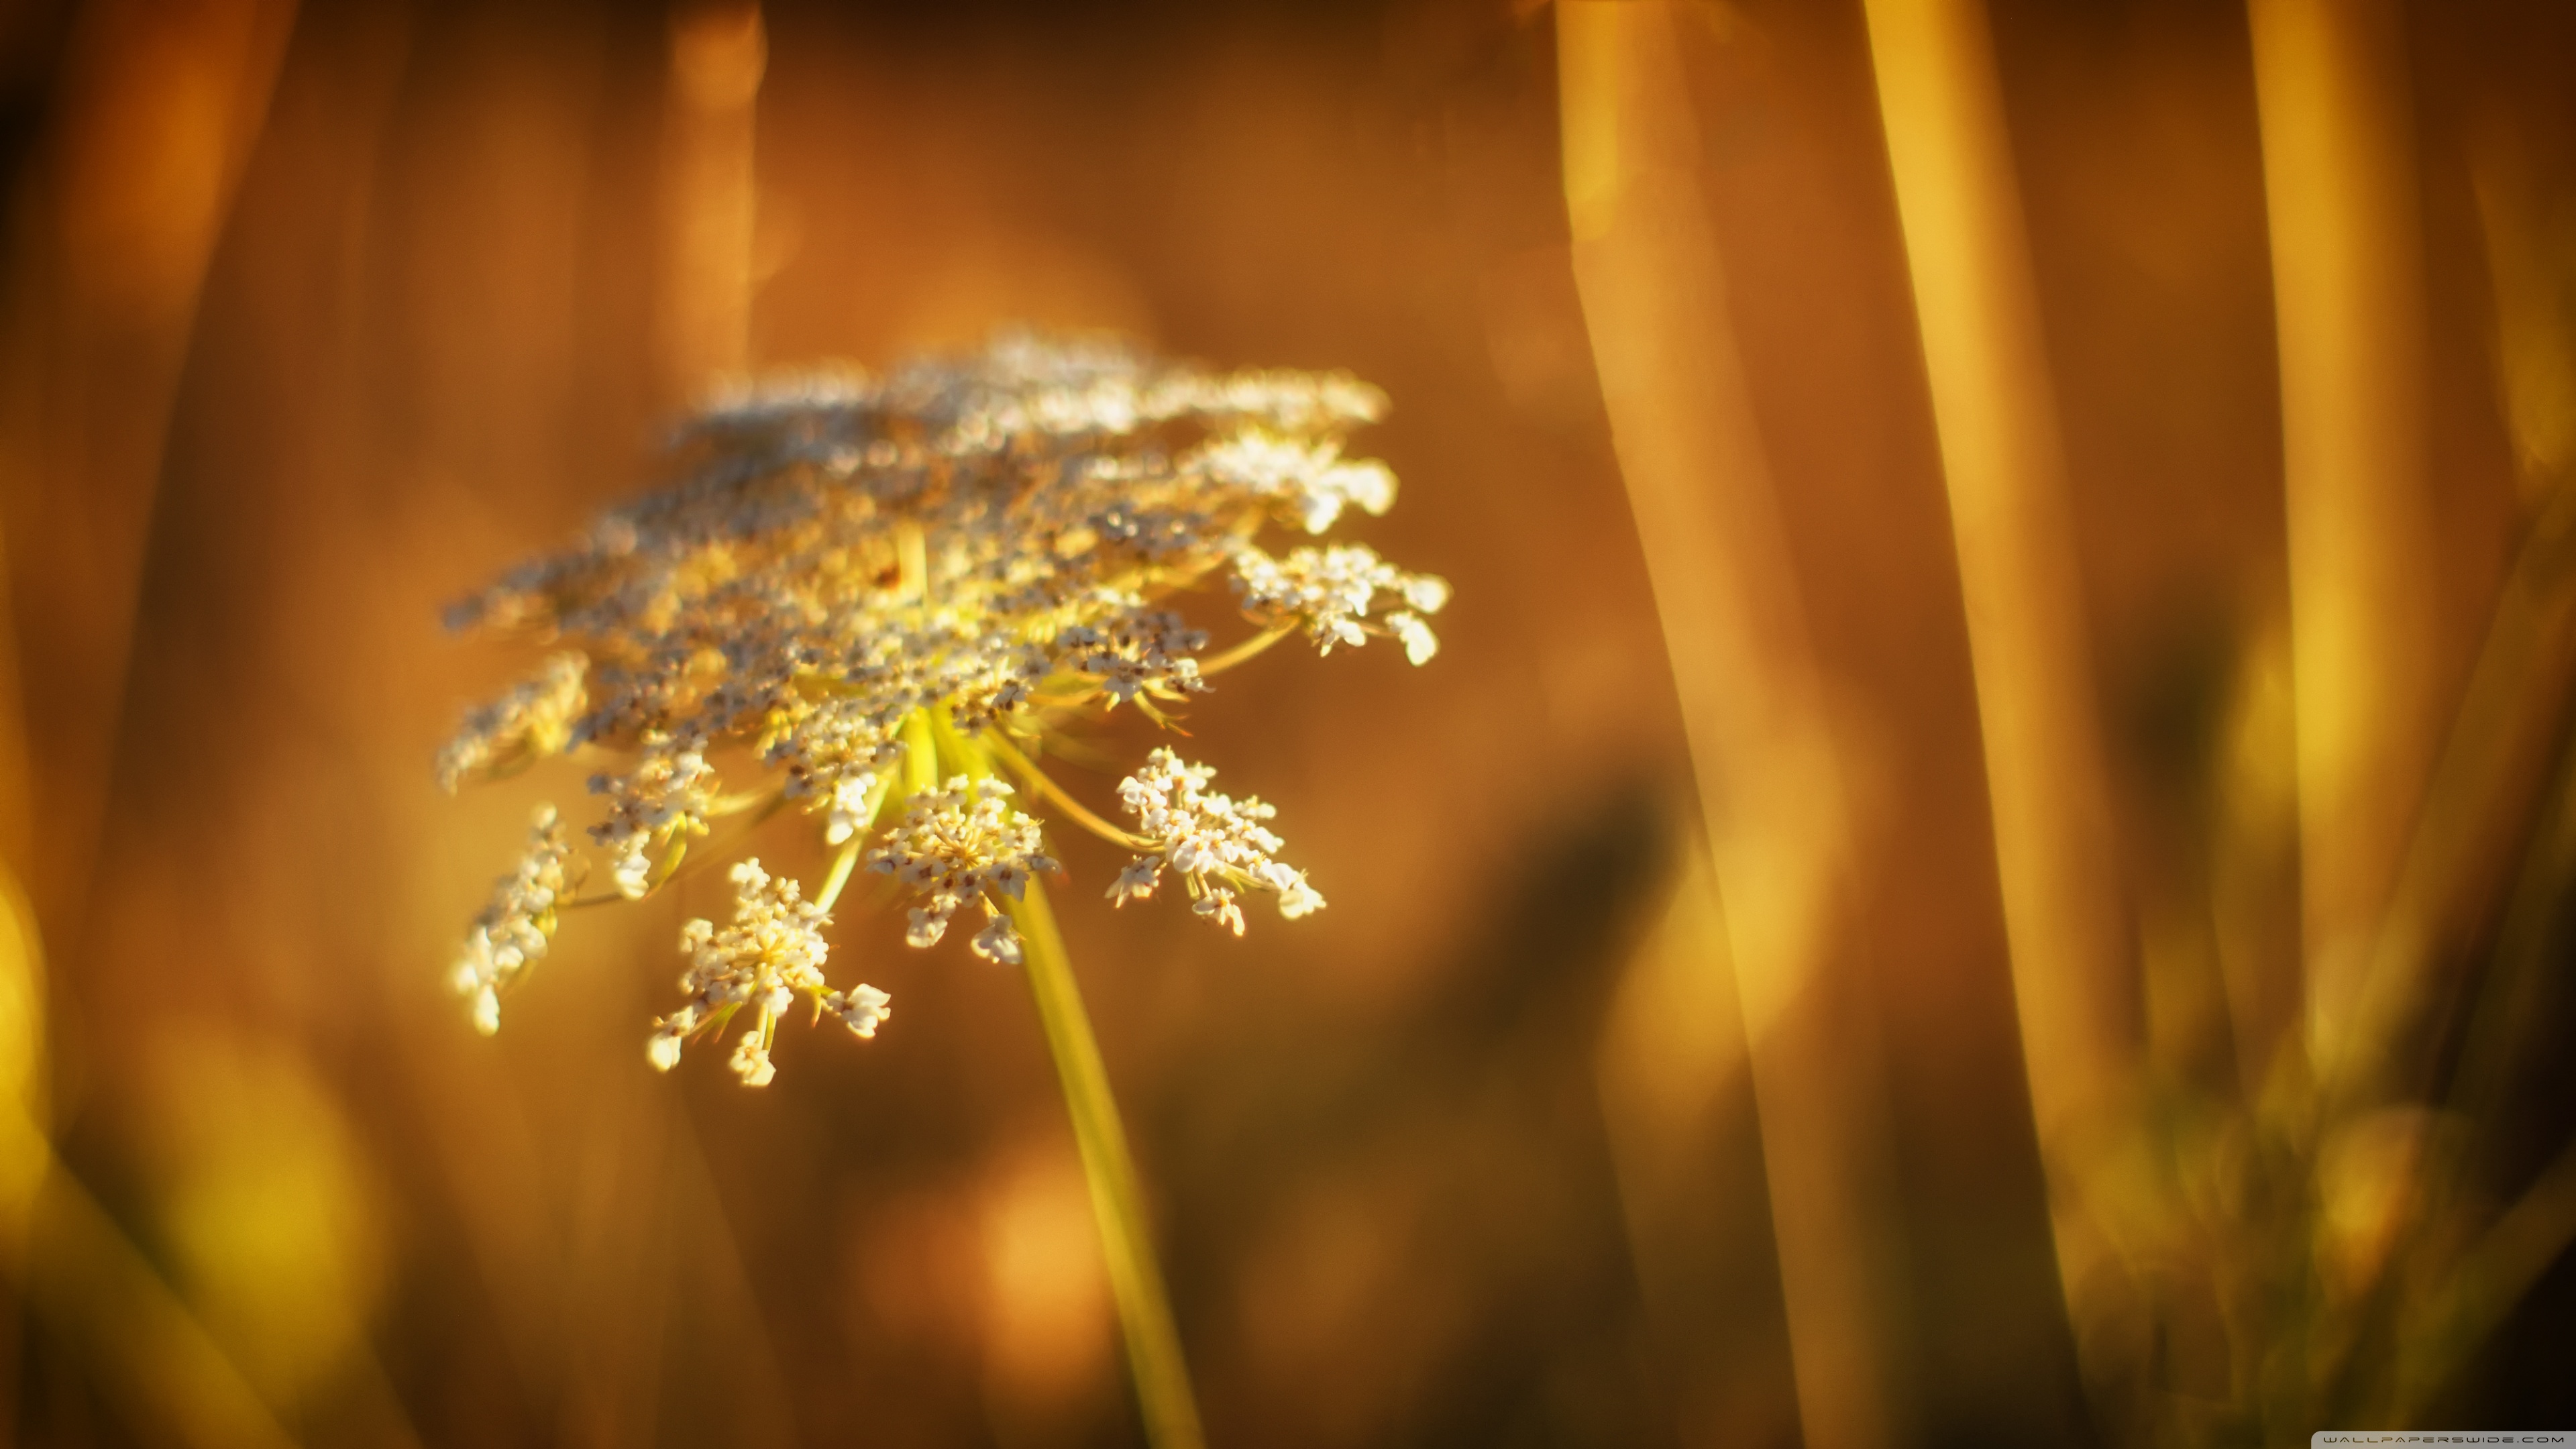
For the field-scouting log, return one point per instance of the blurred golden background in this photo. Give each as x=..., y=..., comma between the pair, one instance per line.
x=1986, y=862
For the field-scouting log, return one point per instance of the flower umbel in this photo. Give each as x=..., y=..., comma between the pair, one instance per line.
x=773, y=951
x=1217, y=845
x=511, y=933
x=962, y=843
x=522, y=726
x=893, y=591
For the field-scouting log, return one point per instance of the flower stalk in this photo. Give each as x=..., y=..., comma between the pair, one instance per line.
x=1117, y=1201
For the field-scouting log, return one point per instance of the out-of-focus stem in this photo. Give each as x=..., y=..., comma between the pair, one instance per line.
x=1771, y=776
x=1055, y=794
x=718, y=53
x=1226, y=659
x=1126, y=1238
x=158, y=110
x=920, y=753
x=2056, y=854
x=839, y=876
x=2000, y=459
x=1154, y=1359
x=77, y=1269
x=2338, y=170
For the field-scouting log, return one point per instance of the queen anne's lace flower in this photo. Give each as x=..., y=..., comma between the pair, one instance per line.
x=871, y=585
x=1310, y=475
x=962, y=843
x=854, y=804
x=1330, y=591
x=654, y=807
x=511, y=933
x=527, y=724
x=1148, y=652
x=773, y=950
x=1217, y=844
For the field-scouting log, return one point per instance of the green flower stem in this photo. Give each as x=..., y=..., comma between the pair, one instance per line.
x=840, y=876
x=1126, y=1241
x=920, y=752
x=1054, y=794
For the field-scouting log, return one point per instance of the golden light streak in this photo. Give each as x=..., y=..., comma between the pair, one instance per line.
x=160, y=108
x=1772, y=779
x=2055, y=850
x=2338, y=169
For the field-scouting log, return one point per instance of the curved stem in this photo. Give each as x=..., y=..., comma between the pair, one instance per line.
x=1224, y=660
x=1126, y=1240
x=840, y=876
x=683, y=861
x=741, y=800
x=1038, y=780
x=920, y=754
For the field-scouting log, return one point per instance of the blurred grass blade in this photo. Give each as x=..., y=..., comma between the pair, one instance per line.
x=1669, y=1067
x=2533, y=274
x=2497, y=1272
x=78, y=1270
x=1992, y=403
x=2338, y=172
x=1771, y=771
x=162, y=105
x=2514, y=715
x=2478, y=810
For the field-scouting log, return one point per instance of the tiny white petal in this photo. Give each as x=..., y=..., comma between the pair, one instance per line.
x=751, y=1061
x=998, y=942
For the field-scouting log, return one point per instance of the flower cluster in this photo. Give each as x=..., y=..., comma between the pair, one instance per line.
x=1149, y=652
x=964, y=842
x=656, y=806
x=1329, y=592
x=885, y=590
x=512, y=931
x=773, y=950
x=523, y=726
x=1217, y=844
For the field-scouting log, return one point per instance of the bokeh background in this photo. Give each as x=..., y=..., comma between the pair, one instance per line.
x=1659, y=1073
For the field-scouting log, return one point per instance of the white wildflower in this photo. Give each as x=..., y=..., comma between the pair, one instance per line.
x=1148, y=651
x=964, y=842
x=512, y=931
x=1330, y=592
x=1420, y=644
x=998, y=941
x=854, y=804
x=1217, y=844
x=964, y=536
x=1296, y=897
x=1137, y=881
x=525, y=725
x=1218, y=906
x=957, y=557
x=862, y=1010
x=662, y=1048
x=657, y=805
x=751, y=1058
x=773, y=952
x=1307, y=478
